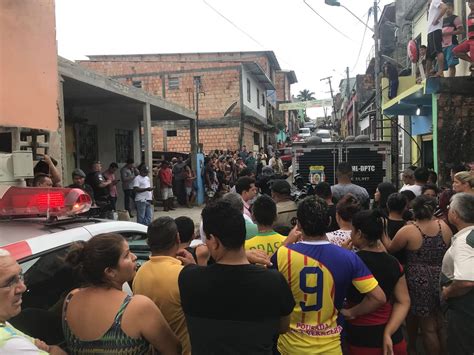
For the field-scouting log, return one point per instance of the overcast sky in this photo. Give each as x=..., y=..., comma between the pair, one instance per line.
x=301, y=40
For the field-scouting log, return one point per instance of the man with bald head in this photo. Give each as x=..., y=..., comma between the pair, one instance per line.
x=12, y=287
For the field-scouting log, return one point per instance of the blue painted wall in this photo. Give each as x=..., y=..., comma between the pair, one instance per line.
x=421, y=125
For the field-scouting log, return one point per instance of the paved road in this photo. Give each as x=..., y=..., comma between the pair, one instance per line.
x=193, y=213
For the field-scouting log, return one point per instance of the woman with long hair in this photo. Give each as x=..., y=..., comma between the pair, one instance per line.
x=425, y=242
x=379, y=330
x=100, y=318
x=384, y=189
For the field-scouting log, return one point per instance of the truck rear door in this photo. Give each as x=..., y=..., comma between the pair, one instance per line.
x=369, y=165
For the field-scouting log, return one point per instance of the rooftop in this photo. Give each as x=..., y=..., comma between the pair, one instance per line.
x=223, y=56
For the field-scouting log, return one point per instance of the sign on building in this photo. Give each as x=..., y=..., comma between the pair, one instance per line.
x=305, y=104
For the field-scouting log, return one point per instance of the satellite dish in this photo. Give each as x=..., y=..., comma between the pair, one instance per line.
x=229, y=110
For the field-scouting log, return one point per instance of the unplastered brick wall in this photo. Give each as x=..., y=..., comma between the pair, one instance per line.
x=225, y=57
x=249, y=131
x=455, y=131
x=282, y=86
x=211, y=138
x=220, y=87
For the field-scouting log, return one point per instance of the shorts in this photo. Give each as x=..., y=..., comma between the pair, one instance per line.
x=464, y=47
x=166, y=193
x=435, y=46
x=459, y=331
x=189, y=191
x=449, y=59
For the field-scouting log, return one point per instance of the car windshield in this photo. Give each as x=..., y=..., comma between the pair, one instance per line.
x=304, y=130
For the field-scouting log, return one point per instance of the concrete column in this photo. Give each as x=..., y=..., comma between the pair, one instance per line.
x=147, y=138
x=434, y=114
x=193, y=142
x=62, y=131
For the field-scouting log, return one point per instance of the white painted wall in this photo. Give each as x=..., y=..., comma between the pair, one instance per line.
x=254, y=85
x=107, y=121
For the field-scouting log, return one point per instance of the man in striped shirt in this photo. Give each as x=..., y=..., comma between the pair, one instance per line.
x=319, y=274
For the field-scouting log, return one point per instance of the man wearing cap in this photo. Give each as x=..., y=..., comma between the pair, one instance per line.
x=79, y=182
x=286, y=207
x=143, y=196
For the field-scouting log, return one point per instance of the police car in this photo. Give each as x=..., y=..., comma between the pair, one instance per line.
x=38, y=226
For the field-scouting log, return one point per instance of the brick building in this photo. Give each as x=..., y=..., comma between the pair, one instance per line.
x=236, y=101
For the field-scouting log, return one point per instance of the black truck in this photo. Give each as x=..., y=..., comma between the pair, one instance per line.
x=370, y=160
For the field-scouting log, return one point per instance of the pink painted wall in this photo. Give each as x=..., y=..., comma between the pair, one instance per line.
x=28, y=64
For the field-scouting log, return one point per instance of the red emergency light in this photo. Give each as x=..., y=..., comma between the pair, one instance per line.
x=43, y=201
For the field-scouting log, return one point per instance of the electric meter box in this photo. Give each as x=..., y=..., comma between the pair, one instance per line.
x=22, y=164
x=15, y=167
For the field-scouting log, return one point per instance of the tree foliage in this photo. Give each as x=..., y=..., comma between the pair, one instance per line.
x=305, y=95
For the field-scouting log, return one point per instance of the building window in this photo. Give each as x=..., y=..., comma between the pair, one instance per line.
x=249, y=92
x=137, y=83
x=263, y=100
x=256, y=138
x=123, y=145
x=172, y=133
x=173, y=83
x=258, y=98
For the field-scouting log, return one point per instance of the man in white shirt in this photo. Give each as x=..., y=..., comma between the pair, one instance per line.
x=457, y=276
x=143, y=196
x=436, y=11
x=408, y=178
x=276, y=164
x=421, y=179
x=12, y=287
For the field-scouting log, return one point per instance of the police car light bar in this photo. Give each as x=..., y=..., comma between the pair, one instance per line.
x=40, y=201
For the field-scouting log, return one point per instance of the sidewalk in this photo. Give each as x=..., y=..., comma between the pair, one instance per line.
x=193, y=213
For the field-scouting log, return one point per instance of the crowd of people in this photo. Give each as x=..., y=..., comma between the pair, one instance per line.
x=263, y=274
x=444, y=47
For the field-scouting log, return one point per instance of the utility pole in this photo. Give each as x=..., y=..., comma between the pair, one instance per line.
x=333, y=102
x=197, y=83
x=378, y=118
x=348, y=95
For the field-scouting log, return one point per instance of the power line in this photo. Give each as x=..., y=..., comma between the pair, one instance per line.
x=362, y=42
x=242, y=30
x=233, y=24
x=330, y=24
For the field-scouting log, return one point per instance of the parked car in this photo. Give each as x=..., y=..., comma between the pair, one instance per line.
x=324, y=134
x=304, y=132
x=40, y=243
